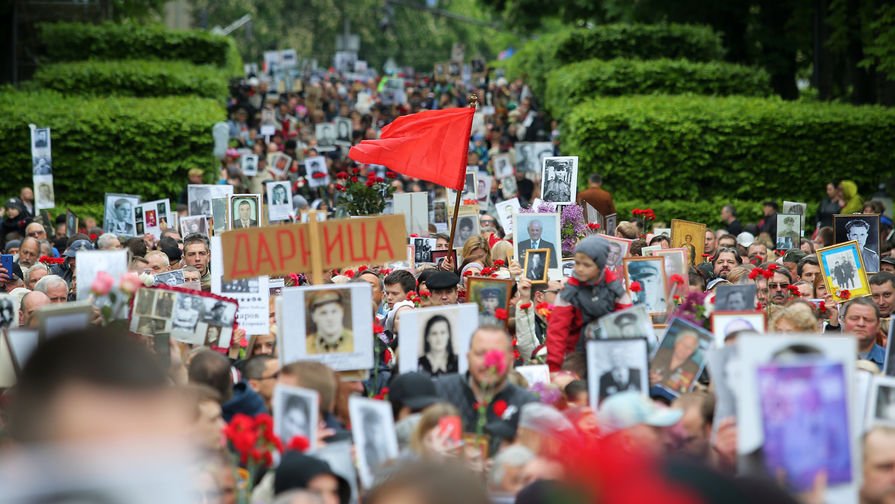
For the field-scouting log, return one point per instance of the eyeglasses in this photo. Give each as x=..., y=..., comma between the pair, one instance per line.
x=778, y=286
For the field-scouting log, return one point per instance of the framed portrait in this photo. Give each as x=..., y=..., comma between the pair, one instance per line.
x=279, y=163
x=317, y=172
x=470, y=186
x=325, y=134
x=681, y=356
x=9, y=311
x=559, y=179
x=244, y=211
x=616, y=365
x=538, y=231
x=343, y=131
x=334, y=325
x=611, y=222
x=249, y=164
x=864, y=230
x=675, y=261
x=789, y=231
x=796, y=208
x=505, y=211
x=690, y=236
x=535, y=373
x=21, y=342
x=618, y=251
x=503, y=166
x=188, y=316
x=219, y=215
x=490, y=294
x=152, y=217
x=439, y=256
x=200, y=196
x=567, y=266
x=530, y=155
x=735, y=298
x=815, y=376
x=467, y=227
x=119, y=214
x=295, y=413
x=889, y=367
x=279, y=201
x=59, y=318
x=634, y=322
x=843, y=268
x=88, y=263
x=440, y=213
x=172, y=278
x=194, y=224
x=422, y=250
x=882, y=402
x=508, y=187
x=535, y=266
x=730, y=323
x=71, y=223
x=435, y=340
x=374, y=436
x=649, y=273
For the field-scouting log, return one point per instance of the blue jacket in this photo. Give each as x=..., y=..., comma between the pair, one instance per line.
x=244, y=400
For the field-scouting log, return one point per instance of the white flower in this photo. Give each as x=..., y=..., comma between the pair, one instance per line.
x=148, y=279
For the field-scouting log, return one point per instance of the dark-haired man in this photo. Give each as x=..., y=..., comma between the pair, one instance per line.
x=596, y=196
x=196, y=253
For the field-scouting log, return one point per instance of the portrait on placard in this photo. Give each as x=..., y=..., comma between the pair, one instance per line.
x=649, y=273
x=483, y=188
x=343, y=131
x=611, y=222
x=795, y=208
x=279, y=163
x=863, y=229
x=422, y=250
x=170, y=278
x=681, y=356
x=200, y=197
x=279, y=201
x=295, y=413
x=187, y=312
x=44, y=194
x=726, y=324
x=843, y=269
x=71, y=223
x=9, y=311
x=735, y=297
x=373, y=432
x=789, y=231
x=334, y=326
x=675, y=261
x=567, y=266
x=592, y=216
x=503, y=166
x=249, y=164
x=219, y=215
x=60, y=318
x=616, y=365
x=467, y=227
x=325, y=134
x=317, y=172
x=245, y=211
x=559, y=179
x=690, y=236
x=634, y=322
x=470, y=186
x=537, y=231
x=440, y=212
x=883, y=402
x=618, y=250
x=505, y=211
x=119, y=215
x=535, y=265
x=41, y=138
x=491, y=295
x=88, y=264
x=509, y=188
x=42, y=165
x=435, y=340
x=196, y=224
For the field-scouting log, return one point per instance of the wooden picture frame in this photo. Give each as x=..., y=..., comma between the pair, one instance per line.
x=847, y=253
x=255, y=219
x=543, y=277
x=474, y=287
x=680, y=230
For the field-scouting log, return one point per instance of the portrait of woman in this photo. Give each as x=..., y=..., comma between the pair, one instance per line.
x=438, y=350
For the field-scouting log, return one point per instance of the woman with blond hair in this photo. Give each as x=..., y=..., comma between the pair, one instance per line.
x=796, y=317
x=502, y=251
x=476, y=249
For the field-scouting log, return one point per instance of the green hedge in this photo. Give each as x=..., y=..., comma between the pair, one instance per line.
x=142, y=146
x=642, y=41
x=108, y=41
x=534, y=61
x=698, y=147
x=140, y=78
x=574, y=83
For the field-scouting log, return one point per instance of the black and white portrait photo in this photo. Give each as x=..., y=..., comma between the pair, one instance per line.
x=245, y=211
x=883, y=405
x=314, y=166
x=649, y=275
x=505, y=211
x=795, y=208
x=422, y=250
x=193, y=225
x=343, y=131
x=44, y=195
x=616, y=365
x=537, y=231
x=483, y=189
x=503, y=166
x=373, y=433
x=470, y=187
x=187, y=311
x=789, y=231
x=536, y=265
x=170, y=278
x=863, y=229
x=199, y=197
x=88, y=263
x=735, y=297
x=240, y=286
x=119, y=217
x=559, y=179
x=279, y=201
x=435, y=340
x=295, y=413
x=326, y=135
x=9, y=312
x=249, y=165
x=42, y=165
x=530, y=155
x=41, y=138
x=633, y=322
x=467, y=227
x=218, y=312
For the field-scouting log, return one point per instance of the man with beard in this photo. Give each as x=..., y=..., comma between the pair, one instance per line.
x=725, y=260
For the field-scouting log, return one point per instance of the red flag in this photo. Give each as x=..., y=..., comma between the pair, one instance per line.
x=429, y=145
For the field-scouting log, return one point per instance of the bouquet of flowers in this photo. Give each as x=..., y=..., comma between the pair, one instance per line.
x=113, y=301
x=363, y=197
x=574, y=228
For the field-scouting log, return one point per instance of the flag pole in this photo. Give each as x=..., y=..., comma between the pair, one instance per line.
x=473, y=101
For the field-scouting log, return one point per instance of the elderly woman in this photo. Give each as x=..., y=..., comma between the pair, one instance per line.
x=797, y=317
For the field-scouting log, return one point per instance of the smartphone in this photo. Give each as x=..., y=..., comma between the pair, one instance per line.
x=6, y=261
x=451, y=427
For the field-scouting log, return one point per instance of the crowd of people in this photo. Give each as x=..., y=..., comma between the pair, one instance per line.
x=541, y=442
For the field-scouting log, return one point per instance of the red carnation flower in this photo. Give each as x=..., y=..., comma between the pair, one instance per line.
x=340, y=187
x=844, y=294
x=467, y=273
x=362, y=267
x=768, y=273
x=754, y=273
x=378, y=329
x=355, y=171
x=677, y=279
x=499, y=407
x=500, y=263
x=348, y=273
x=370, y=183
x=342, y=175
x=635, y=286
x=822, y=307
x=414, y=235
x=773, y=267
x=318, y=175
x=380, y=180
x=501, y=314
x=299, y=444
x=593, y=225
x=382, y=395
x=354, y=179
x=93, y=236
x=391, y=174
x=387, y=356
x=525, y=306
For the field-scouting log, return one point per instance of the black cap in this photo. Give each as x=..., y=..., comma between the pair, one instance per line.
x=888, y=260
x=296, y=470
x=442, y=280
x=414, y=390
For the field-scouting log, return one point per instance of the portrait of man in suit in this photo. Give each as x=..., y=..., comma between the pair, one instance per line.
x=121, y=222
x=536, y=265
x=859, y=230
x=244, y=214
x=534, y=241
x=621, y=377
